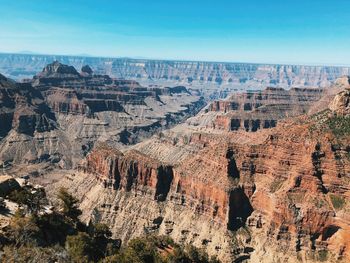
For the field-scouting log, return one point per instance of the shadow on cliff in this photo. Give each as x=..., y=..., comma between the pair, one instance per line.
x=239, y=209
x=165, y=178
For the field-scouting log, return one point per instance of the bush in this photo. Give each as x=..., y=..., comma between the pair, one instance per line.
x=339, y=125
x=79, y=247
x=140, y=250
x=33, y=199
x=337, y=201
x=69, y=204
x=30, y=253
x=323, y=255
x=159, y=249
x=22, y=229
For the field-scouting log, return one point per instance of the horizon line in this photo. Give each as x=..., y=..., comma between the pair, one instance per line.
x=177, y=60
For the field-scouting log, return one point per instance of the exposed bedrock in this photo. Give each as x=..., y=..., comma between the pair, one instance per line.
x=252, y=111
x=132, y=171
x=30, y=123
x=78, y=109
x=281, y=189
x=341, y=103
x=6, y=123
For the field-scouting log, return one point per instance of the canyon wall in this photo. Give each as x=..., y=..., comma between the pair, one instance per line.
x=60, y=113
x=256, y=110
x=186, y=72
x=278, y=194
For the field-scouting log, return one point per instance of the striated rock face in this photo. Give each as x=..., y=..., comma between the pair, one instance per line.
x=138, y=172
x=23, y=109
x=341, y=103
x=256, y=110
x=276, y=195
x=281, y=187
x=185, y=72
x=59, y=114
x=66, y=101
x=133, y=171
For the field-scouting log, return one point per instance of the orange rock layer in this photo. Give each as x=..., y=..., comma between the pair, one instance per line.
x=284, y=182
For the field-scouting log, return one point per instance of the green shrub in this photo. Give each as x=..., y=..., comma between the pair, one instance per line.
x=323, y=255
x=33, y=199
x=337, y=201
x=69, y=204
x=22, y=229
x=79, y=247
x=339, y=125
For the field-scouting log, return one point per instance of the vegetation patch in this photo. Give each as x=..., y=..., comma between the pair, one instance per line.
x=323, y=255
x=337, y=201
x=319, y=203
x=159, y=249
x=275, y=185
x=339, y=125
x=36, y=234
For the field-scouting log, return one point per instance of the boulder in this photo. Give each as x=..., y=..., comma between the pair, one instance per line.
x=7, y=185
x=341, y=103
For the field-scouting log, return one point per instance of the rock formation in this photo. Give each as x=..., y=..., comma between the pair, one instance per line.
x=87, y=70
x=341, y=103
x=59, y=114
x=254, y=110
x=278, y=194
x=262, y=176
x=7, y=185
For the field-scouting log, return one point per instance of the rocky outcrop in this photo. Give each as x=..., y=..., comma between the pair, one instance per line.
x=341, y=103
x=252, y=111
x=87, y=70
x=66, y=101
x=23, y=109
x=132, y=171
x=7, y=185
x=56, y=69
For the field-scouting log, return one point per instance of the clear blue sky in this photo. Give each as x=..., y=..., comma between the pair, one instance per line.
x=271, y=31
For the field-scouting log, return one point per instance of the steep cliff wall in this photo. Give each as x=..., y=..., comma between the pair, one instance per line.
x=279, y=194
x=256, y=110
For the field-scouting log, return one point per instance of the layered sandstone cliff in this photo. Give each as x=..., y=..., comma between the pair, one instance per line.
x=59, y=114
x=279, y=194
x=275, y=195
x=254, y=110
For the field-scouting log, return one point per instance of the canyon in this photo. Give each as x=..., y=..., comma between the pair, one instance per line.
x=188, y=73
x=60, y=113
x=277, y=194
x=260, y=176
